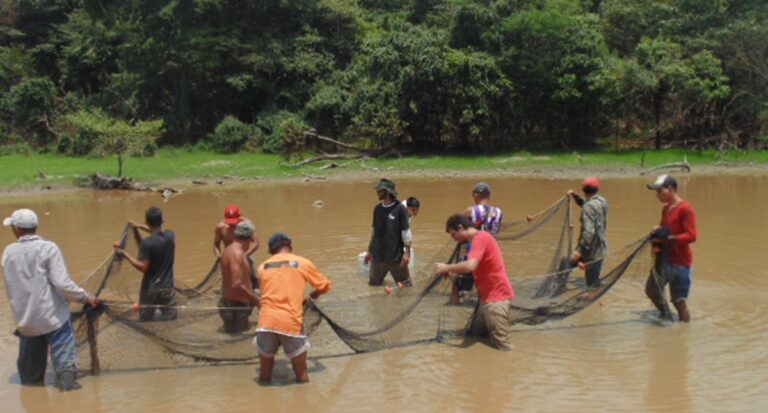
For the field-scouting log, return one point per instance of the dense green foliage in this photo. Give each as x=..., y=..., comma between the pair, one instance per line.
x=423, y=76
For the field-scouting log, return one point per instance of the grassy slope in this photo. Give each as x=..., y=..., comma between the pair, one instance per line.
x=22, y=170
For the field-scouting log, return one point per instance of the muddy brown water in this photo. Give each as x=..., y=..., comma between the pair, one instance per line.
x=610, y=357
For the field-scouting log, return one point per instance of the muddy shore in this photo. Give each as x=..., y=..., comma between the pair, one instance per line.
x=342, y=175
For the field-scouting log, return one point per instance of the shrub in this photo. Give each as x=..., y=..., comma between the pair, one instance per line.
x=230, y=135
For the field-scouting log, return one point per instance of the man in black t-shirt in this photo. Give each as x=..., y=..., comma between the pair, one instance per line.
x=390, y=246
x=156, y=261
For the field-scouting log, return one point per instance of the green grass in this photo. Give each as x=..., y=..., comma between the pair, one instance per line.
x=169, y=163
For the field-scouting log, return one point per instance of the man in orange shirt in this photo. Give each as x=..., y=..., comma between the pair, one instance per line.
x=283, y=278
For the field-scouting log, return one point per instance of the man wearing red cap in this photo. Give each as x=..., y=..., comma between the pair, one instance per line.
x=592, y=246
x=225, y=234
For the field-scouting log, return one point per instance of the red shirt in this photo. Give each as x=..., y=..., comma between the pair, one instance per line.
x=681, y=220
x=490, y=274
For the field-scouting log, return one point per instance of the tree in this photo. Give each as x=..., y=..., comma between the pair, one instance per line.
x=116, y=136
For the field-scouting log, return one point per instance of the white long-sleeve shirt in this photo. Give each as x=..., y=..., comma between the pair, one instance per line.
x=38, y=285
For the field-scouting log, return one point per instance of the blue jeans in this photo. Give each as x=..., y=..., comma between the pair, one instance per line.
x=33, y=354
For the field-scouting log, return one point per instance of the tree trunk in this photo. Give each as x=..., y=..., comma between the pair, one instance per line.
x=657, y=117
x=120, y=166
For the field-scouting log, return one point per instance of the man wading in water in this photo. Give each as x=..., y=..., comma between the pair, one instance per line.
x=38, y=287
x=156, y=261
x=284, y=276
x=674, y=236
x=592, y=246
x=390, y=247
x=237, y=296
x=485, y=217
x=486, y=264
x=224, y=233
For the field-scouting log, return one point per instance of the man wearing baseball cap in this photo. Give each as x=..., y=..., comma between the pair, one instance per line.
x=389, y=250
x=38, y=288
x=484, y=217
x=237, y=296
x=673, y=237
x=592, y=246
x=224, y=233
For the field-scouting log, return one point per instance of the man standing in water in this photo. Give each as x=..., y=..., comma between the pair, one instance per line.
x=674, y=236
x=592, y=245
x=486, y=264
x=390, y=247
x=284, y=277
x=156, y=262
x=38, y=288
x=484, y=217
x=224, y=233
x=237, y=297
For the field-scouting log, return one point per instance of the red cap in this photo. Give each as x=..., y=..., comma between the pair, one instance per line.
x=232, y=214
x=591, y=181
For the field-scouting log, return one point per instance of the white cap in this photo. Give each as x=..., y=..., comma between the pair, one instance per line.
x=22, y=218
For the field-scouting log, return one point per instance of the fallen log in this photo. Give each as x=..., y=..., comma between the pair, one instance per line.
x=106, y=182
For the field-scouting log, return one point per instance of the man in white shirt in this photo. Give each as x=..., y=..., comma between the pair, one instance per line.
x=38, y=288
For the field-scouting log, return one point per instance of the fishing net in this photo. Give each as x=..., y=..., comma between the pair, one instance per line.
x=535, y=253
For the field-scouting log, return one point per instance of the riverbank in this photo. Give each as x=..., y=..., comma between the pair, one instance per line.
x=179, y=168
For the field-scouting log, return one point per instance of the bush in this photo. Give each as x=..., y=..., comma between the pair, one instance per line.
x=21, y=148
x=230, y=135
x=78, y=143
x=274, y=127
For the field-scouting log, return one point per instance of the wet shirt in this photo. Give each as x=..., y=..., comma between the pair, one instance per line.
x=38, y=285
x=681, y=220
x=487, y=218
x=490, y=274
x=389, y=222
x=283, y=279
x=594, y=221
x=159, y=249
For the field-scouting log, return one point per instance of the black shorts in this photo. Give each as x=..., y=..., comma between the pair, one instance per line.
x=235, y=315
x=464, y=282
x=157, y=299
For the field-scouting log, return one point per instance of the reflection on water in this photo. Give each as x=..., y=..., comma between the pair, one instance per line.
x=613, y=356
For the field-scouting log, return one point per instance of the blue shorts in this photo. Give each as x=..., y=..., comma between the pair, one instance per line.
x=679, y=279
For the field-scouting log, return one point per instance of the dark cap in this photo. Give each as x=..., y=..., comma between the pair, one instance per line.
x=663, y=181
x=277, y=241
x=244, y=229
x=386, y=185
x=482, y=188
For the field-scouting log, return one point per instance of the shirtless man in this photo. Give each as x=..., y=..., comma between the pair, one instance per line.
x=237, y=296
x=225, y=234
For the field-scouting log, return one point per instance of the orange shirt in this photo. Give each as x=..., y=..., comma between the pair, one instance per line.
x=282, y=280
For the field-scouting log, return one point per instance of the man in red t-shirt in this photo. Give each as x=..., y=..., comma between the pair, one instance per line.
x=486, y=264
x=674, y=236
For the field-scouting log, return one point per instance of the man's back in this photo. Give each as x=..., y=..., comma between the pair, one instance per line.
x=594, y=222
x=159, y=249
x=235, y=271
x=37, y=283
x=283, y=279
x=486, y=218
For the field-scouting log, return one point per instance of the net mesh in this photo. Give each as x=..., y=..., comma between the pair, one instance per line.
x=534, y=251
